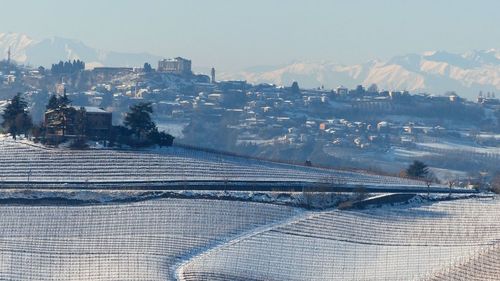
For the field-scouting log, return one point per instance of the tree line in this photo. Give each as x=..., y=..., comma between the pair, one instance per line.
x=67, y=67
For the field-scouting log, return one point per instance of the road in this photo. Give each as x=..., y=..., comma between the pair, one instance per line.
x=283, y=186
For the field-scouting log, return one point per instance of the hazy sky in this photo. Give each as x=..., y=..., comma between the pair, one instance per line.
x=232, y=34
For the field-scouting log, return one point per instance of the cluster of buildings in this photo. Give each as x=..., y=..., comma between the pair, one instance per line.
x=268, y=114
x=8, y=78
x=262, y=114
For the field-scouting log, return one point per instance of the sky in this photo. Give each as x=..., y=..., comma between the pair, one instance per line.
x=235, y=34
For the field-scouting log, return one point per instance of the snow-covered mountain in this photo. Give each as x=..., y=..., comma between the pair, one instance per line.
x=434, y=72
x=50, y=50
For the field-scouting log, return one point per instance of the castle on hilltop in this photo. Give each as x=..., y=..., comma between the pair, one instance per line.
x=178, y=65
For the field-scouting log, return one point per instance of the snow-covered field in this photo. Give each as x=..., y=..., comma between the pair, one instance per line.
x=200, y=239
x=451, y=160
x=132, y=241
x=21, y=161
x=450, y=146
x=451, y=240
x=106, y=235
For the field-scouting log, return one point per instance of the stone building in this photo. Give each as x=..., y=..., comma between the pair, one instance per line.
x=91, y=122
x=177, y=65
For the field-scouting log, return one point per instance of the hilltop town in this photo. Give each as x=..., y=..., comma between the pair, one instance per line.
x=364, y=127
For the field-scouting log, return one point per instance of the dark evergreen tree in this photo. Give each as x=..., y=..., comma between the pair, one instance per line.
x=16, y=119
x=359, y=90
x=58, y=102
x=67, y=67
x=295, y=90
x=417, y=170
x=119, y=135
x=61, y=106
x=41, y=70
x=138, y=119
x=53, y=103
x=80, y=123
x=161, y=138
x=147, y=67
x=64, y=101
x=138, y=124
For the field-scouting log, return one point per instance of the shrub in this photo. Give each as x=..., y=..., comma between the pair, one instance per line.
x=78, y=143
x=495, y=183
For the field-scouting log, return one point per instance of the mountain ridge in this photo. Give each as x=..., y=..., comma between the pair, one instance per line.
x=44, y=52
x=434, y=72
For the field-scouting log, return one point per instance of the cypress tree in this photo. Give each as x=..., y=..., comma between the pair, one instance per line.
x=16, y=119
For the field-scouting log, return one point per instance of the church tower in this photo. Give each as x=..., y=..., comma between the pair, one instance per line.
x=8, y=56
x=213, y=75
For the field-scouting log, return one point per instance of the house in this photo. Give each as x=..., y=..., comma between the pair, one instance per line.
x=342, y=91
x=93, y=122
x=99, y=123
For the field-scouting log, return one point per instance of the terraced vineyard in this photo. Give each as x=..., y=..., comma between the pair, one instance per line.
x=195, y=239
x=137, y=241
x=22, y=162
x=199, y=239
x=454, y=240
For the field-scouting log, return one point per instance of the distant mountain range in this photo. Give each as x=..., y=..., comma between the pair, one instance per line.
x=435, y=72
x=50, y=50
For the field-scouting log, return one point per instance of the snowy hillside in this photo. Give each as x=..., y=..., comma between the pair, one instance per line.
x=22, y=162
x=453, y=240
x=18, y=44
x=51, y=50
x=136, y=241
x=433, y=72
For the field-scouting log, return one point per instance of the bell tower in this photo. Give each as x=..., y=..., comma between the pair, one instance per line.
x=8, y=56
x=213, y=75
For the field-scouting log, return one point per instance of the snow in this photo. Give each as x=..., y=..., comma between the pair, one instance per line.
x=42, y=52
x=174, y=128
x=134, y=241
x=429, y=72
x=91, y=109
x=18, y=44
x=406, y=153
x=23, y=161
x=489, y=136
x=459, y=147
x=406, y=242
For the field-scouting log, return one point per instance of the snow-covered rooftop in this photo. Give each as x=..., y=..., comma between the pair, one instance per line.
x=91, y=109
